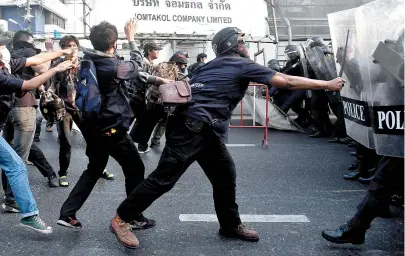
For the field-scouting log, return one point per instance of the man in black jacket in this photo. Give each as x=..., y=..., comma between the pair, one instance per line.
x=201, y=58
x=107, y=134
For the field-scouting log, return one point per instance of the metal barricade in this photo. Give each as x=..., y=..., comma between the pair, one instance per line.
x=266, y=123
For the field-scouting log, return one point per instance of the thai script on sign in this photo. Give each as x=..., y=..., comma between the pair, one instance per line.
x=213, y=4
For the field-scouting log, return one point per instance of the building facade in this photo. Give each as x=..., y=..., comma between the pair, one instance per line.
x=51, y=18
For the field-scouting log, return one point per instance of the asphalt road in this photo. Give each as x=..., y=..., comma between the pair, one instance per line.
x=296, y=175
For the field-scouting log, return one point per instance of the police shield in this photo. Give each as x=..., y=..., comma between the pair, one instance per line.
x=322, y=63
x=380, y=27
x=373, y=95
x=354, y=101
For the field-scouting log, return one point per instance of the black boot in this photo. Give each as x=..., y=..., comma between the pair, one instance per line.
x=354, y=166
x=347, y=233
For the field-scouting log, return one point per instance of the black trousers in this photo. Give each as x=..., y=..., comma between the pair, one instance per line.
x=339, y=126
x=189, y=140
x=65, y=150
x=294, y=101
x=320, y=110
x=37, y=157
x=387, y=179
x=144, y=124
x=119, y=146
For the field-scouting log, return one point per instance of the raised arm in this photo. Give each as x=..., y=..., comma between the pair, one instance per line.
x=37, y=81
x=47, y=56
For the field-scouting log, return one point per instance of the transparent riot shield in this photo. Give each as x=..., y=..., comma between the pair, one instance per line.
x=354, y=94
x=380, y=26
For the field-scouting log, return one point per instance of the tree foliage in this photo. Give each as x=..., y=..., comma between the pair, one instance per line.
x=6, y=34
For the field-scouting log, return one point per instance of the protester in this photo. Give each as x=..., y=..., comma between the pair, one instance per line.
x=196, y=132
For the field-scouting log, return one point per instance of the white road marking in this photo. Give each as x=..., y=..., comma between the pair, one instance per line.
x=245, y=218
x=240, y=145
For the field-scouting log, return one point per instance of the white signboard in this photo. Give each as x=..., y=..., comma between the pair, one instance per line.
x=185, y=17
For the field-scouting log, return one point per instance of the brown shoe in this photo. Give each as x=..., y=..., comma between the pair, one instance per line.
x=122, y=232
x=49, y=129
x=241, y=232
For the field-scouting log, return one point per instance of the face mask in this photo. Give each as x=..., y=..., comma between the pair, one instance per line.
x=5, y=57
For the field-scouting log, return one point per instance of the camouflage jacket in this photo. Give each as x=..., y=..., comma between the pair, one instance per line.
x=168, y=70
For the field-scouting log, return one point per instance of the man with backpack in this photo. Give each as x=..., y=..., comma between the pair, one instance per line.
x=105, y=118
x=197, y=132
x=64, y=86
x=10, y=163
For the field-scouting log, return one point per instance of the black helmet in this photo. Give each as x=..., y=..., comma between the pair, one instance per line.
x=52, y=107
x=316, y=41
x=225, y=40
x=180, y=57
x=273, y=64
x=292, y=52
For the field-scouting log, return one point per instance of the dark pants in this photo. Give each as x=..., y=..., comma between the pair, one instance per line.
x=39, y=125
x=387, y=179
x=320, y=110
x=39, y=160
x=65, y=151
x=294, y=101
x=99, y=148
x=339, y=126
x=144, y=125
x=189, y=140
x=367, y=159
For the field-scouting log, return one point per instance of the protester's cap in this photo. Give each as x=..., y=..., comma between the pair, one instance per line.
x=151, y=46
x=5, y=41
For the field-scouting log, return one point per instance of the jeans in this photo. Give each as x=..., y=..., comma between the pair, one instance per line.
x=38, y=124
x=65, y=151
x=189, y=140
x=39, y=160
x=99, y=148
x=20, y=128
x=12, y=165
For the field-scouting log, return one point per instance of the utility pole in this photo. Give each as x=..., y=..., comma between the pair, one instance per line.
x=27, y=17
x=84, y=19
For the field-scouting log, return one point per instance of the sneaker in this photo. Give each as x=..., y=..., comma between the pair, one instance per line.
x=141, y=222
x=122, y=232
x=35, y=223
x=155, y=143
x=37, y=139
x=49, y=129
x=69, y=222
x=107, y=176
x=52, y=181
x=63, y=181
x=10, y=206
x=143, y=148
